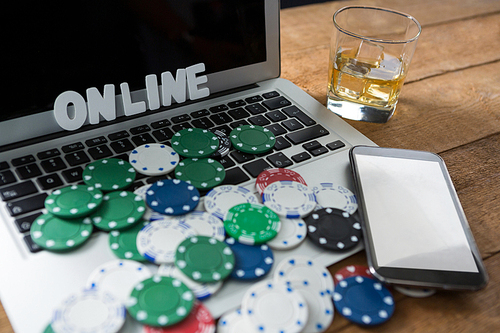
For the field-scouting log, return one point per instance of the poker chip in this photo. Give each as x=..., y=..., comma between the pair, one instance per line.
x=232, y=322
x=119, y=210
x=221, y=198
x=158, y=241
x=48, y=329
x=172, y=197
x=303, y=268
x=204, y=173
x=73, y=201
x=204, y=259
x=251, y=261
x=363, y=301
x=415, y=292
x=335, y=196
x=270, y=176
x=252, y=139
x=89, y=311
x=160, y=301
x=292, y=233
x=195, y=142
x=124, y=243
x=333, y=229
x=320, y=306
x=199, y=320
x=154, y=159
x=252, y=223
x=224, y=144
x=350, y=271
x=55, y=234
x=274, y=307
x=204, y=224
x=289, y=199
x=109, y=174
x=149, y=214
x=201, y=290
x=118, y=277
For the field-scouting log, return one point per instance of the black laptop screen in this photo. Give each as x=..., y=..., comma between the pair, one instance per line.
x=55, y=46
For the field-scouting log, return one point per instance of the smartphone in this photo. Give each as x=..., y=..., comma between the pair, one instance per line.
x=415, y=230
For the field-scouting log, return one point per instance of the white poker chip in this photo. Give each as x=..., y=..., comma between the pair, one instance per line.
x=232, y=322
x=272, y=306
x=118, y=277
x=303, y=268
x=292, y=233
x=335, y=196
x=154, y=159
x=149, y=214
x=204, y=224
x=221, y=198
x=201, y=290
x=320, y=306
x=89, y=311
x=289, y=199
x=415, y=292
x=158, y=241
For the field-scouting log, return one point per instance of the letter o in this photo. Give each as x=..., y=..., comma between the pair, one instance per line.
x=61, y=110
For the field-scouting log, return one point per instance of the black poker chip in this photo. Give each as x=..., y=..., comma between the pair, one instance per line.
x=333, y=229
x=224, y=144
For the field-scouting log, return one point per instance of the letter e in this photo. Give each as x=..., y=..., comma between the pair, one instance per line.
x=194, y=82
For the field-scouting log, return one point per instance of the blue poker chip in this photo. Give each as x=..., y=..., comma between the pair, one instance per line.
x=363, y=301
x=172, y=197
x=289, y=199
x=251, y=261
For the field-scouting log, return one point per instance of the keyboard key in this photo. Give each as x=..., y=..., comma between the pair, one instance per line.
x=319, y=151
x=238, y=123
x=294, y=111
x=335, y=145
x=76, y=158
x=7, y=177
x=161, y=124
x=311, y=145
x=200, y=113
x=277, y=129
x=276, y=103
x=124, y=157
x=48, y=154
x=292, y=125
x=4, y=165
x=220, y=118
x=236, y=104
x=118, y=135
x=142, y=139
x=179, y=127
x=140, y=129
x=122, y=146
x=218, y=108
x=301, y=157
x=224, y=129
x=306, y=134
x=28, y=171
x=203, y=123
x=235, y=176
x=180, y=119
x=23, y=160
x=72, y=147
x=73, y=175
x=276, y=116
x=238, y=113
x=100, y=152
x=96, y=141
x=50, y=181
x=256, y=167
x=32, y=246
x=254, y=99
x=279, y=160
x=18, y=190
x=240, y=157
x=270, y=94
x=281, y=143
x=23, y=224
x=259, y=120
x=26, y=205
x=255, y=109
x=163, y=134
x=53, y=164
x=227, y=162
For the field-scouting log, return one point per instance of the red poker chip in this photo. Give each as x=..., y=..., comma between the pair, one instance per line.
x=200, y=320
x=350, y=271
x=270, y=176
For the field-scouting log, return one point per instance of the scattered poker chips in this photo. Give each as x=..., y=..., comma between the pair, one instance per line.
x=292, y=233
x=335, y=196
x=124, y=243
x=289, y=199
x=73, y=201
x=204, y=259
x=221, y=198
x=204, y=224
x=172, y=197
x=158, y=241
x=55, y=234
x=251, y=261
x=149, y=214
x=333, y=229
x=204, y=173
x=252, y=139
x=119, y=210
x=154, y=159
x=270, y=176
x=252, y=223
x=109, y=174
x=89, y=311
x=274, y=307
x=224, y=144
x=195, y=142
x=350, y=271
x=160, y=301
x=363, y=301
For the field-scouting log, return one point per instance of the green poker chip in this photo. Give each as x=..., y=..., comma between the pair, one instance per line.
x=74, y=201
x=252, y=139
x=160, y=301
x=56, y=234
x=123, y=243
x=204, y=259
x=109, y=174
x=119, y=210
x=252, y=223
x=195, y=142
x=204, y=173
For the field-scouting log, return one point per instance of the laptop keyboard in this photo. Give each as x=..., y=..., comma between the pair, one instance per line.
x=26, y=180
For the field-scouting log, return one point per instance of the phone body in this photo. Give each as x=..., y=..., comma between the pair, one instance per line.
x=415, y=230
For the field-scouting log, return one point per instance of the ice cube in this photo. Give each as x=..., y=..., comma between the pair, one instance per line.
x=370, y=53
x=389, y=69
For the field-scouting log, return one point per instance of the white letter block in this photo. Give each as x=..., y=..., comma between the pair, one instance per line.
x=153, y=92
x=173, y=88
x=61, y=110
x=194, y=82
x=99, y=105
x=130, y=108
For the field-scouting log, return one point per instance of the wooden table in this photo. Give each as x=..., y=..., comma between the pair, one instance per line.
x=450, y=105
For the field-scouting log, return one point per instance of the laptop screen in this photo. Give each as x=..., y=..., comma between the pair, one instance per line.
x=58, y=46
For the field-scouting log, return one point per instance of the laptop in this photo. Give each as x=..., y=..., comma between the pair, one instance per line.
x=232, y=49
